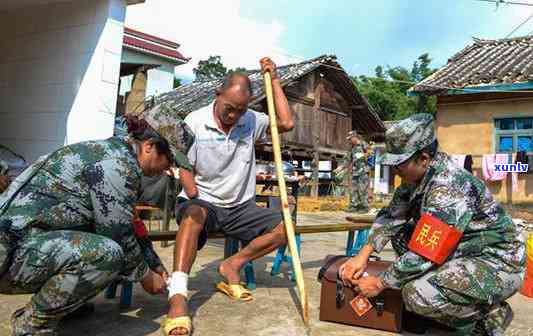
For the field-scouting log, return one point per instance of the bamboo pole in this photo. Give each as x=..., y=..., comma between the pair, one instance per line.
x=287, y=219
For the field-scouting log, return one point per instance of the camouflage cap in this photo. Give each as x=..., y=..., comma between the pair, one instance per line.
x=351, y=134
x=407, y=137
x=165, y=121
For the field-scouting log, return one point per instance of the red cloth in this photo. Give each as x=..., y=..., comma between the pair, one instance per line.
x=434, y=239
x=140, y=228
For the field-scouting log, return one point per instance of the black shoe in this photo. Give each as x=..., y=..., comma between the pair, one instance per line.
x=479, y=329
x=436, y=325
x=414, y=323
x=496, y=320
x=86, y=309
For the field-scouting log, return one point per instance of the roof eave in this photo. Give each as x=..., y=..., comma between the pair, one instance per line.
x=134, y=2
x=488, y=88
x=177, y=61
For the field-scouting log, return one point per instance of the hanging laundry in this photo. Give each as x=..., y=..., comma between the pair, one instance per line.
x=459, y=159
x=468, y=163
x=521, y=157
x=489, y=160
x=514, y=176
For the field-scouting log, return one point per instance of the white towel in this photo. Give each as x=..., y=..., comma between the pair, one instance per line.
x=459, y=159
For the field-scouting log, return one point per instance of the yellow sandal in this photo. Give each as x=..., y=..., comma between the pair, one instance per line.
x=235, y=291
x=170, y=324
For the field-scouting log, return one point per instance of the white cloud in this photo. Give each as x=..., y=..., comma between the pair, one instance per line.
x=206, y=27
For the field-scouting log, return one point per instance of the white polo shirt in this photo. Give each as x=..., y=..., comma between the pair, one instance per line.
x=224, y=164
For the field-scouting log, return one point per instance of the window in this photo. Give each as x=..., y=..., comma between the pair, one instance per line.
x=514, y=135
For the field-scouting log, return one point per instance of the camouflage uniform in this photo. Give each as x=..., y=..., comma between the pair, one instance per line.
x=360, y=179
x=339, y=177
x=66, y=228
x=487, y=266
x=3, y=167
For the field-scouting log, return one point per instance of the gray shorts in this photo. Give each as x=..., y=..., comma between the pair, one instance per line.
x=244, y=222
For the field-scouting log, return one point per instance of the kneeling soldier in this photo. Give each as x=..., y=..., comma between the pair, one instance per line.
x=460, y=254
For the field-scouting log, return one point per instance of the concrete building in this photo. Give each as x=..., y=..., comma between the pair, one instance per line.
x=485, y=106
x=147, y=68
x=59, y=71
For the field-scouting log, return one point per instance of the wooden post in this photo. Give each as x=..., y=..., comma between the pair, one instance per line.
x=316, y=139
x=287, y=218
x=135, y=98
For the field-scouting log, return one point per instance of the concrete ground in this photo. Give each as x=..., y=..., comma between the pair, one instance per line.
x=273, y=312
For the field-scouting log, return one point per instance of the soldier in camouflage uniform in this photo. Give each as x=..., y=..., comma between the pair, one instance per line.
x=356, y=157
x=468, y=291
x=66, y=227
x=4, y=178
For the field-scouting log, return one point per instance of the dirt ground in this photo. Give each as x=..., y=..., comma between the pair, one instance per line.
x=273, y=312
x=525, y=213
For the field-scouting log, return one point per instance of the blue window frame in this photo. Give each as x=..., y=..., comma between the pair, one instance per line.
x=513, y=135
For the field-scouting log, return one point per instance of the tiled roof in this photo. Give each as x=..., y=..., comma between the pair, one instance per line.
x=152, y=38
x=190, y=97
x=486, y=62
x=389, y=124
x=153, y=45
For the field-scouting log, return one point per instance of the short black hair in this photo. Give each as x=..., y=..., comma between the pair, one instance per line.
x=141, y=131
x=230, y=80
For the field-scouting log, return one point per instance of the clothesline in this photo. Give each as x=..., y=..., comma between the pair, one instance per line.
x=481, y=155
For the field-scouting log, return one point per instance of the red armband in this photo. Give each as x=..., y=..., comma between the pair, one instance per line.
x=434, y=239
x=140, y=228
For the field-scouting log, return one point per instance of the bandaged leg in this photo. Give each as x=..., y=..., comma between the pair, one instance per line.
x=177, y=284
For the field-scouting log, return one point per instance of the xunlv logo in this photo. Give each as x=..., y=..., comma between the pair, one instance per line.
x=518, y=167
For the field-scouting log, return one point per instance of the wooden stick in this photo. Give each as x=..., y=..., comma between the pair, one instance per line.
x=287, y=219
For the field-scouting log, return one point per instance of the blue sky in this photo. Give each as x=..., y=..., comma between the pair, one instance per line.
x=363, y=34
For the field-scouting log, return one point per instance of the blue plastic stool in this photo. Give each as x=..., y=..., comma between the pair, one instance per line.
x=353, y=246
x=281, y=257
x=126, y=292
x=231, y=246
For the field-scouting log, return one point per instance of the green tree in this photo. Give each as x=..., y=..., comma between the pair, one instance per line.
x=239, y=69
x=210, y=69
x=387, y=91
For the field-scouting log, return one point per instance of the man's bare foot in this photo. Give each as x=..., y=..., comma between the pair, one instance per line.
x=178, y=307
x=229, y=271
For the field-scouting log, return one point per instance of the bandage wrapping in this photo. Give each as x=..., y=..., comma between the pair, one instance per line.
x=177, y=284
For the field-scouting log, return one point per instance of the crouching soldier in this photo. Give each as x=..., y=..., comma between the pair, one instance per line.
x=460, y=254
x=66, y=227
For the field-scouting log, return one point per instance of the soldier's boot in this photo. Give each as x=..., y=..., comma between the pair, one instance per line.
x=496, y=321
x=420, y=325
x=414, y=323
x=86, y=309
x=492, y=323
x=25, y=323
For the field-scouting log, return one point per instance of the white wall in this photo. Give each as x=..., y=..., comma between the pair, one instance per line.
x=160, y=80
x=381, y=175
x=59, y=70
